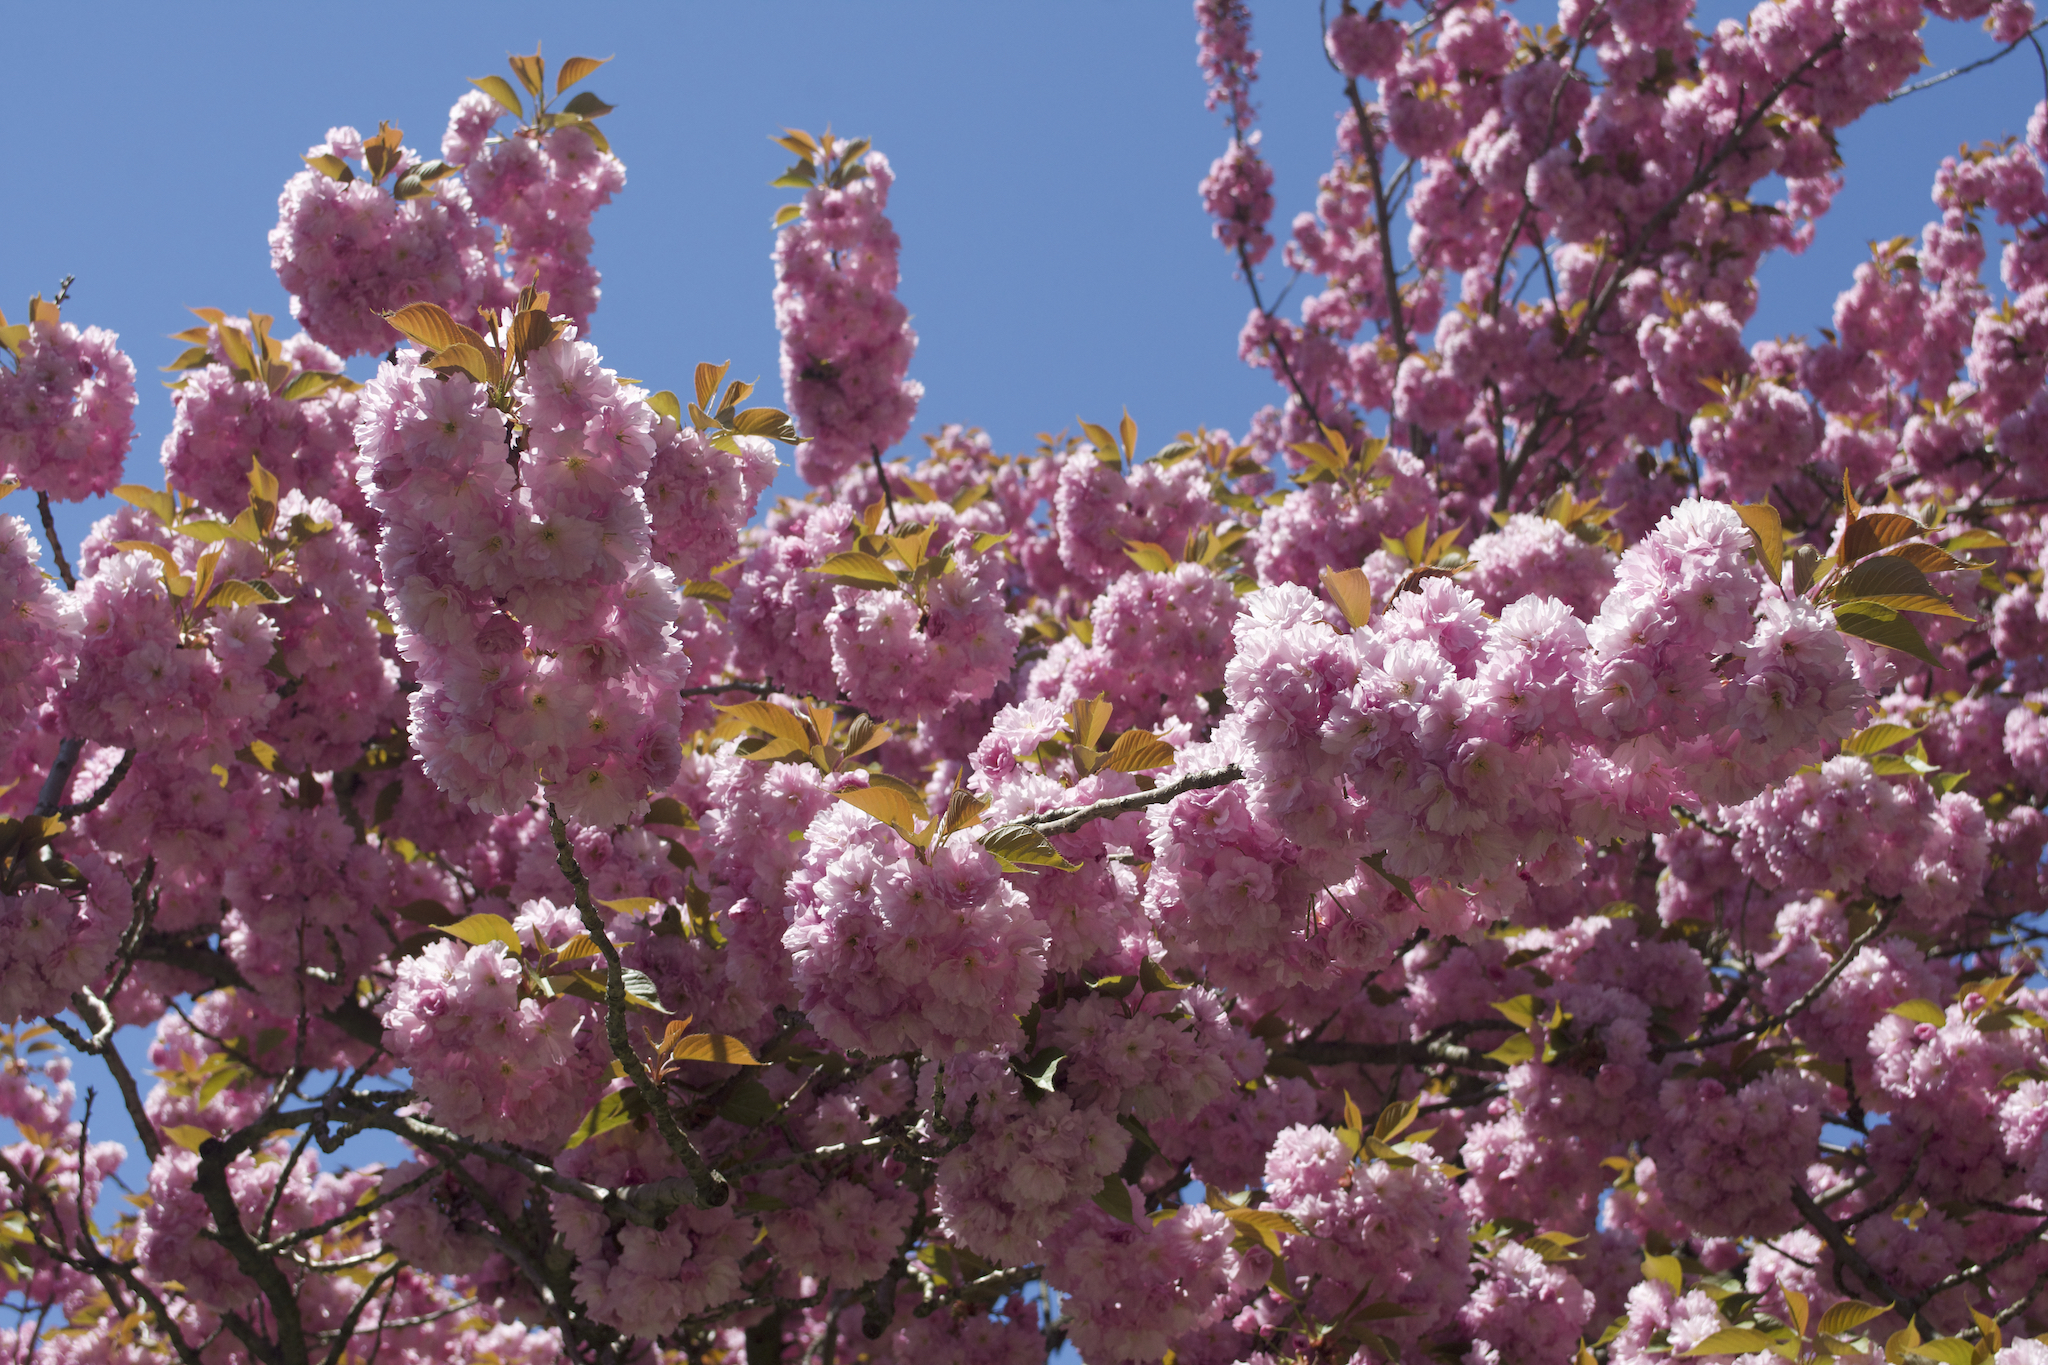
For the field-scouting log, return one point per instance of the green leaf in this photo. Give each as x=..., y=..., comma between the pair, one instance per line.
x=615, y=1110
x=787, y=214
x=1732, y=1341
x=1018, y=847
x=1874, y=738
x=1893, y=582
x=1149, y=557
x=1893, y=633
x=156, y=501
x=1947, y=1350
x=1155, y=978
x=668, y=405
x=310, y=384
x=1378, y=863
x=500, y=89
x=1518, y=1049
x=238, y=592
x=988, y=540
x=1266, y=1226
x=587, y=106
x=856, y=570
x=1847, y=1316
x=1520, y=1011
x=482, y=929
x=1114, y=1198
x=1920, y=1012
x=749, y=1105
x=631, y=905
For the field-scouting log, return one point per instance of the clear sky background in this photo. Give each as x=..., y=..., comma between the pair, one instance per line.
x=1055, y=257
x=1056, y=261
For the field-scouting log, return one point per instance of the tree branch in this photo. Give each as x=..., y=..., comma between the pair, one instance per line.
x=1070, y=818
x=711, y=1189
x=1812, y=993
x=1845, y=1250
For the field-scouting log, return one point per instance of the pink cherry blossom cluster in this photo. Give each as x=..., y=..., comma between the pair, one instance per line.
x=846, y=338
x=67, y=408
x=349, y=252
x=527, y=597
x=541, y=187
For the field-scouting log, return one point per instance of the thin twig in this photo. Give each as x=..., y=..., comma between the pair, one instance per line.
x=1813, y=993
x=56, y=546
x=711, y=1189
x=1845, y=1250
x=882, y=477
x=1917, y=86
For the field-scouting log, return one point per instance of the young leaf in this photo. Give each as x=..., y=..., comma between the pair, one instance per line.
x=1769, y=531
x=712, y=1047
x=1520, y=1011
x=1892, y=582
x=1868, y=534
x=500, y=89
x=1265, y=1225
x=707, y=380
x=1920, y=1012
x=1087, y=720
x=1847, y=1316
x=1104, y=443
x=1520, y=1048
x=1114, y=1198
x=667, y=405
x=531, y=71
x=888, y=805
x=157, y=501
x=428, y=324
x=856, y=570
x=766, y=716
x=482, y=929
x=1891, y=630
x=1139, y=751
x=1665, y=1270
x=1731, y=1341
x=1017, y=847
x=1148, y=556
x=1352, y=592
x=1796, y=1303
x=575, y=69
x=1873, y=739
x=615, y=1110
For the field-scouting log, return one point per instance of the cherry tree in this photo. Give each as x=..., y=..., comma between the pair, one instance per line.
x=1530, y=852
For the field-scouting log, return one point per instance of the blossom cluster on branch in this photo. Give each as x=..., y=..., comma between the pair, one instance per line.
x=1535, y=853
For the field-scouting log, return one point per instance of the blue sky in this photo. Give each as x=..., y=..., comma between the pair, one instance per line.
x=1055, y=258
